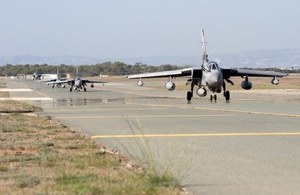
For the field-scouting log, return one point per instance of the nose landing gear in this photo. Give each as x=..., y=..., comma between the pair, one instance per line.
x=213, y=97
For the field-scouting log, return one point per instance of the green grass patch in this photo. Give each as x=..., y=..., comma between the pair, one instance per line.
x=78, y=184
x=3, y=168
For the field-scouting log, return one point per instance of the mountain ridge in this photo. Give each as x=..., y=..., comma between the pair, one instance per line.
x=283, y=58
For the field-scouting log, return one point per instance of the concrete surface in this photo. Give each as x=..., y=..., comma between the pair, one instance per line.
x=249, y=146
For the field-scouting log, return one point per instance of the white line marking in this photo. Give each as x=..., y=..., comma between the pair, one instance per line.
x=14, y=90
x=28, y=99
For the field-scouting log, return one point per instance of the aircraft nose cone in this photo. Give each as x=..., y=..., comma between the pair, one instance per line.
x=215, y=79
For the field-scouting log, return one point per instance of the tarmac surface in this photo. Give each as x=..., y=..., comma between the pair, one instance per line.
x=248, y=146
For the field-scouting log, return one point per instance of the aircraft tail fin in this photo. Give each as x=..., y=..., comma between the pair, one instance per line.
x=57, y=73
x=77, y=72
x=204, y=54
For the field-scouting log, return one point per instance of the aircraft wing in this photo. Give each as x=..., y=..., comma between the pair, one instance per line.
x=52, y=80
x=171, y=73
x=61, y=82
x=227, y=73
x=88, y=81
x=46, y=81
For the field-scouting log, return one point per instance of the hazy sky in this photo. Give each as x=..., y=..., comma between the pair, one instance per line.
x=140, y=28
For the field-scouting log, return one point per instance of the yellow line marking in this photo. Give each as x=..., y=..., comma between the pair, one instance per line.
x=198, y=135
x=223, y=110
x=142, y=116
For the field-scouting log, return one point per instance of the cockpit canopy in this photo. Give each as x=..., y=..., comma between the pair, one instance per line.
x=213, y=66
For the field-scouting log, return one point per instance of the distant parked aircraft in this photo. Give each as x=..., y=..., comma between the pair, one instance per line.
x=37, y=76
x=40, y=76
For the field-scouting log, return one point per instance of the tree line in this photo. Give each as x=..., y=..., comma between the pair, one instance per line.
x=107, y=68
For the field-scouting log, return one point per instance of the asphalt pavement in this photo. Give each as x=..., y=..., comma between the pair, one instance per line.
x=248, y=146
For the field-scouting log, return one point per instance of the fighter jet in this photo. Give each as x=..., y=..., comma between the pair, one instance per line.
x=37, y=76
x=77, y=84
x=209, y=77
x=58, y=85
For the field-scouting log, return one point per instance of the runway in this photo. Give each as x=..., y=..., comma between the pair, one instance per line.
x=249, y=146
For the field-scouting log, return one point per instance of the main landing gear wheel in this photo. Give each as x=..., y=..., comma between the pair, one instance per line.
x=213, y=97
x=84, y=89
x=189, y=96
x=227, y=96
x=71, y=89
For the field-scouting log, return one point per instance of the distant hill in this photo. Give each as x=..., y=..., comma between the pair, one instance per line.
x=55, y=60
x=285, y=58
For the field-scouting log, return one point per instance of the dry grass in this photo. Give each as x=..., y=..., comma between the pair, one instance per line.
x=39, y=155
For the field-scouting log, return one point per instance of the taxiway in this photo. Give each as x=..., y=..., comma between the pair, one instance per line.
x=249, y=146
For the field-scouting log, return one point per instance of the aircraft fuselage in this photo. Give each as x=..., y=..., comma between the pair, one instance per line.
x=212, y=77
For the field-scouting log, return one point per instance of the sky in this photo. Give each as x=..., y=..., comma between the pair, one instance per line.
x=143, y=28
